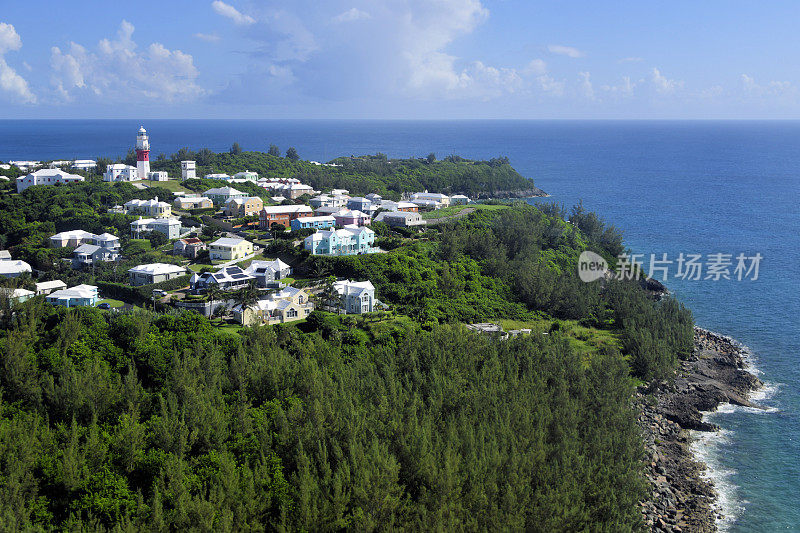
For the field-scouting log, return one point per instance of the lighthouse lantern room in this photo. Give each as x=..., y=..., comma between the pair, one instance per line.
x=142, y=153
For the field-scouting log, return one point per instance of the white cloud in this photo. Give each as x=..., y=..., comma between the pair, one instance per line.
x=551, y=86
x=586, y=85
x=116, y=71
x=227, y=10
x=771, y=89
x=207, y=37
x=10, y=81
x=536, y=66
x=351, y=15
x=568, y=51
x=625, y=88
x=662, y=84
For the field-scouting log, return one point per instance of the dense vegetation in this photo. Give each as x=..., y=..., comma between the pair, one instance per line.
x=366, y=174
x=136, y=420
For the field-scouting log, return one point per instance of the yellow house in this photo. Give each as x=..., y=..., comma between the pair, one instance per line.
x=287, y=305
x=228, y=249
x=244, y=207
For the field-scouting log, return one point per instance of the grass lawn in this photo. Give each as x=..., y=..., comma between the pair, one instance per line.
x=585, y=341
x=172, y=185
x=113, y=303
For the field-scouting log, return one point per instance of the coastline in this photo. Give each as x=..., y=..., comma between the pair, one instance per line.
x=682, y=498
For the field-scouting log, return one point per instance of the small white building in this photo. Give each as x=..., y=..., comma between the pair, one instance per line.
x=171, y=227
x=47, y=176
x=46, y=287
x=158, y=175
x=188, y=170
x=84, y=164
x=120, y=172
x=154, y=273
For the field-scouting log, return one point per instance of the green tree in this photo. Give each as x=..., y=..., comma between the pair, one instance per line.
x=235, y=149
x=291, y=154
x=274, y=150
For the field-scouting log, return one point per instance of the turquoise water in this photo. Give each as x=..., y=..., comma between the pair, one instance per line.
x=691, y=187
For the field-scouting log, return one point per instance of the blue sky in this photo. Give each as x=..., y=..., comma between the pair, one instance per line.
x=399, y=59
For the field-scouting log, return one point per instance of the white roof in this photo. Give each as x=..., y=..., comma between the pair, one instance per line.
x=241, y=201
x=326, y=218
x=15, y=293
x=146, y=203
x=14, y=266
x=5, y=255
x=228, y=241
x=119, y=166
x=43, y=173
x=49, y=285
x=276, y=266
x=76, y=233
x=288, y=209
x=222, y=191
x=157, y=268
x=78, y=291
x=106, y=237
x=347, y=287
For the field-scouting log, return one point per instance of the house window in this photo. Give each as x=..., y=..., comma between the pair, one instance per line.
x=291, y=313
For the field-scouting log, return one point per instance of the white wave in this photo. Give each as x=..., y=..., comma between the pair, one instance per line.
x=707, y=448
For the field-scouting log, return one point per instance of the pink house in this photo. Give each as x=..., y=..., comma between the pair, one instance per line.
x=347, y=217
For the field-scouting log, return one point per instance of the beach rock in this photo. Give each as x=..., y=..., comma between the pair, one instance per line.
x=681, y=499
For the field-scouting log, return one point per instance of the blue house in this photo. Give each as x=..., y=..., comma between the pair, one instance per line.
x=322, y=222
x=74, y=296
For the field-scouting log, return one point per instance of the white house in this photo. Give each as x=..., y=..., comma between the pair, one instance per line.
x=152, y=208
x=47, y=176
x=267, y=271
x=171, y=227
x=355, y=297
x=223, y=177
x=78, y=237
x=442, y=199
x=459, y=199
x=120, y=172
x=400, y=218
x=154, y=273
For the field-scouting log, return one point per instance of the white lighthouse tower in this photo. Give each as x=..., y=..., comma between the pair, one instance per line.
x=142, y=154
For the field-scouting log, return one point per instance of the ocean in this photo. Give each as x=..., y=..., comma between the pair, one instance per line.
x=673, y=187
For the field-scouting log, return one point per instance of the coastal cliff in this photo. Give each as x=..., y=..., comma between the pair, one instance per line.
x=681, y=498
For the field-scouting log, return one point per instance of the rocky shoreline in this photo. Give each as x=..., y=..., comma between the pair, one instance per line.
x=533, y=192
x=682, y=499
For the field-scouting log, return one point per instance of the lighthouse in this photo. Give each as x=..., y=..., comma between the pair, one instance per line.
x=142, y=154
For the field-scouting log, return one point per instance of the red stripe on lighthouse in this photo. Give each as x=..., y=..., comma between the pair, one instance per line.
x=143, y=155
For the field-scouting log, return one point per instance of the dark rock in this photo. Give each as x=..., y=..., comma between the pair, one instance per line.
x=681, y=499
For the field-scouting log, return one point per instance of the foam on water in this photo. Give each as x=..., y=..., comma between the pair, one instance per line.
x=707, y=448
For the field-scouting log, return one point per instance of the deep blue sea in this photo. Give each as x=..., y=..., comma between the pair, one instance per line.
x=674, y=187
